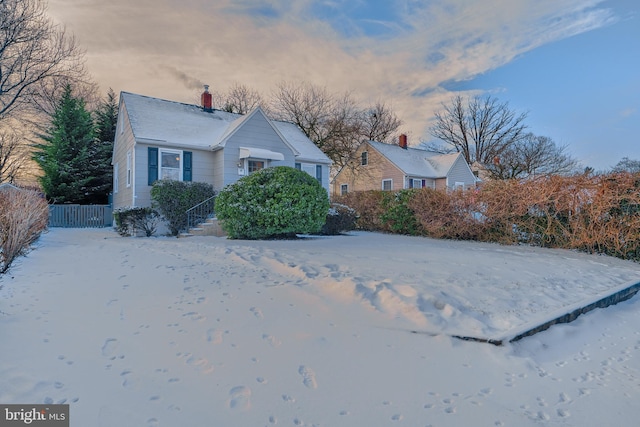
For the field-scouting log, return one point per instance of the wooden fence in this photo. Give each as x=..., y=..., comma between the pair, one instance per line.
x=80, y=216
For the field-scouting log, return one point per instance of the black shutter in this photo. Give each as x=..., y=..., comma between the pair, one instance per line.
x=186, y=166
x=153, y=165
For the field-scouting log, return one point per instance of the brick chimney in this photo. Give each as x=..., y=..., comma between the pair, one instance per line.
x=402, y=141
x=207, y=100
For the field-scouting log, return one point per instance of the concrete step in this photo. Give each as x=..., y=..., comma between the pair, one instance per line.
x=208, y=228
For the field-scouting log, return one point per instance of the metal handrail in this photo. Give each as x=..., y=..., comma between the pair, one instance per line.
x=200, y=212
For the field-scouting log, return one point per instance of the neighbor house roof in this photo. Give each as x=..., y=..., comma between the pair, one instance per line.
x=5, y=186
x=155, y=120
x=417, y=162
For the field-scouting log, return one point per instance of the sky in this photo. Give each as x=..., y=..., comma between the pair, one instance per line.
x=571, y=65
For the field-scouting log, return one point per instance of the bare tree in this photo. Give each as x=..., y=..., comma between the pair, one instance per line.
x=529, y=156
x=480, y=128
x=51, y=90
x=380, y=123
x=335, y=123
x=14, y=155
x=627, y=165
x=240, y=99
x=308, y=106
x=33, y=51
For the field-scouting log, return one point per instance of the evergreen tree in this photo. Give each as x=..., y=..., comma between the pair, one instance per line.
x=106, y=118
x=67, y=154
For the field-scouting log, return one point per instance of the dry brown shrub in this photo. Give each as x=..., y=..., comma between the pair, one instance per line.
x=591, y=213
x=598, y=214
x=369, y=207
x=533, y=211
x=23, y=217
x=447, y=215
x=609, y=220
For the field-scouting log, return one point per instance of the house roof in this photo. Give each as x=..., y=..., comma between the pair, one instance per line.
x=306, y=149
x=417, y=162
x=8, y=186
x=173, y=123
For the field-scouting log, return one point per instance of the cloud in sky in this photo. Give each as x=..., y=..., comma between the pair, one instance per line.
x=400, y=51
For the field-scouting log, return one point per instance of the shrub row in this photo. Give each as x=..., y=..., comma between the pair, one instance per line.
x=597, y=214
x=23, y=216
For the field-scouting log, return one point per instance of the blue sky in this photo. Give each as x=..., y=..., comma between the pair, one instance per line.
x=573, y=65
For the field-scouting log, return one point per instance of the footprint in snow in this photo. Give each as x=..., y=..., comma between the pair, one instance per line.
x=239, y=398
x=109, y=347
x=214, y=336
x=273, y=341
x=257, y=312
x=308, y=377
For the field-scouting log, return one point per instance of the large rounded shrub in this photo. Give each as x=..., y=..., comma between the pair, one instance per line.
x=271, y=203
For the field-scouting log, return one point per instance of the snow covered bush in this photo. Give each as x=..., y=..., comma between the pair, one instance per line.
x=272, y=203
x=128, y=221
x=173, y=198
x=23, y=216
x=341, y=218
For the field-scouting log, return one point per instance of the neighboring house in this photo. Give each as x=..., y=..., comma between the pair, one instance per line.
x=382, y=166
x=159, y=139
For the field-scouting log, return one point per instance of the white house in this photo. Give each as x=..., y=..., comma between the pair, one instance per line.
x=160, y=139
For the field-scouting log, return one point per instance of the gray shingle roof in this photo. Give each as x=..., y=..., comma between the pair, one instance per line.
x=417, y=162
x=188, y=126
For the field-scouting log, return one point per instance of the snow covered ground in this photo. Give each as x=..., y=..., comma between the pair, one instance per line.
x=323, y=331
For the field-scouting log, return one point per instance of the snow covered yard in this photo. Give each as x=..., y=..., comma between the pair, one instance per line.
x=327, y=331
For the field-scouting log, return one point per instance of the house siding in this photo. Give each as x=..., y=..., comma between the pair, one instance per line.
x=141, y=168
x=369, y=177
x=124, y=142
x=201, y=162
x=203, y=167
x=255, y=132
x=460, y=172
x=217, y=161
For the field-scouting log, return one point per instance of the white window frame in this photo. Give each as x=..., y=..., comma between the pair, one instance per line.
x=390, y=181
x=160, y=167
x=414, y=181
x=116, y=181
x=458, y=184
x=129, y=166
x=344, y=189
x=251, y=159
